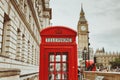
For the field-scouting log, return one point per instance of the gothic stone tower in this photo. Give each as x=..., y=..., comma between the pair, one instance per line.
x=83, y=34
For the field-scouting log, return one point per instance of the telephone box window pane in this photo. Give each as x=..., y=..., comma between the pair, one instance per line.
x=58, y=67
x=64, y=76
x=51, y=58
x=58, y=58
x=51, y=76
x=64, y=67
x=64, y=58
x=51, y=67
x=58, y=76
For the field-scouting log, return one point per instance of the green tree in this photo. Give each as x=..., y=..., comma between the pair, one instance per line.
x=115, y=63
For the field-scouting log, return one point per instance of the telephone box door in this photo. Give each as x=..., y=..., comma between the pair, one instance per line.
x=58, y=65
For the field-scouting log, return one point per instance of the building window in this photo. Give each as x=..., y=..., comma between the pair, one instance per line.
x=36, y=3
x=23, y=48
x=25, y=7
x=30, y=18
x=19, y=43
x=35, y=57
x=21, y=4
x=28, y=59
x=32, y=54
x=5, y=36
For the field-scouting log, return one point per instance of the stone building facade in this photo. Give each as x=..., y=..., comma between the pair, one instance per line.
x=20, y=24
x=104, y=58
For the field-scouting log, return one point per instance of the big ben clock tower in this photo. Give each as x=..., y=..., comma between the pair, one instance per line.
x=83, y=33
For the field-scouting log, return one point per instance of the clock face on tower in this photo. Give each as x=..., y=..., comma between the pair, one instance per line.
x=83, y=28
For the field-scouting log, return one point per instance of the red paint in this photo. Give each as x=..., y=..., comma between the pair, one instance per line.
x=58, y=54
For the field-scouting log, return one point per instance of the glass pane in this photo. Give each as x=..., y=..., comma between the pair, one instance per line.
x=64, y=57
x=64, y=67
x=64, y=76
x=51, y=58
x=51, y=76
x=58, y=76
x=58, y=67
x=58, y=58
x=51, y=67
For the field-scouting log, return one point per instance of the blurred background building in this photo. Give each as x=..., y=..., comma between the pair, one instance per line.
x=20, y=24
x=104, y=58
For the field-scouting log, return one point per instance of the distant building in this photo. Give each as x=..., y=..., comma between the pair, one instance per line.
x=104, y=58
x=20, y=25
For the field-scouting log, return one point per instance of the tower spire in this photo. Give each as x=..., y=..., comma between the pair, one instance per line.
x=82, y=14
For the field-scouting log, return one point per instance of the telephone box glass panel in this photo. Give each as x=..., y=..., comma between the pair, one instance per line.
x=58, y=65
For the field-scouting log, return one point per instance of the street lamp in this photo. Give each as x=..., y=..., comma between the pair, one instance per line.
x=84, y=55
x=88, y=52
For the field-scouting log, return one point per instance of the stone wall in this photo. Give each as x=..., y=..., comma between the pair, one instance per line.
x=9, y=74
x=90, y=75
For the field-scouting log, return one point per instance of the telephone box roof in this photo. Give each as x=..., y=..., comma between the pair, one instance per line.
x=58, y=30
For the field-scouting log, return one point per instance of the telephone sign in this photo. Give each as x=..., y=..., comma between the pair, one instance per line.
x=58, y=54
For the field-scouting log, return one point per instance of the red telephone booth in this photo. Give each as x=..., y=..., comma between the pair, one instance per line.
x=58, y=54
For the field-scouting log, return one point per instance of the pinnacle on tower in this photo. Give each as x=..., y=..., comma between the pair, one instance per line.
x=82, y=14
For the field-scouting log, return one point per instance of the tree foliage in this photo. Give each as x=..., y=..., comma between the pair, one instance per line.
x=115, y=63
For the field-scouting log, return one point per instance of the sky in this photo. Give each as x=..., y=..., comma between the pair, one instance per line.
x=103, y=18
